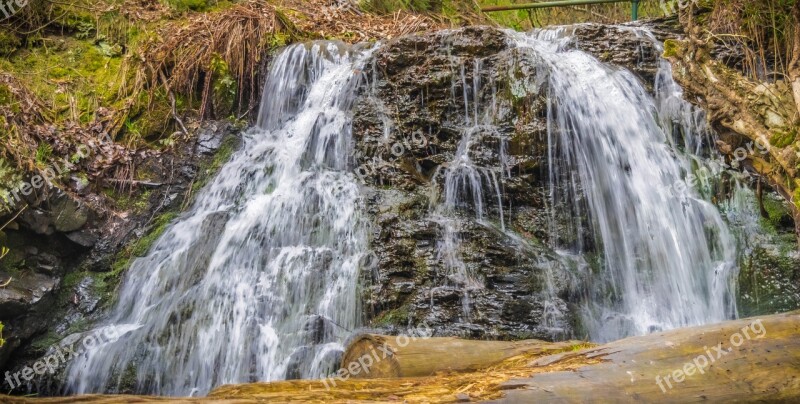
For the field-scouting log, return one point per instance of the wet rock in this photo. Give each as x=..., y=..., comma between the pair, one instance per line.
x=62, y=240
x=68, y=214
x=620, y=46
x=427, y=92
x=408, y=129
x=23, y=291
x=85, y=296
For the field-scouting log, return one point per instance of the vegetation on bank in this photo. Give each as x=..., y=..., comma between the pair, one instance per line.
x=141, y=69
x=741, y=63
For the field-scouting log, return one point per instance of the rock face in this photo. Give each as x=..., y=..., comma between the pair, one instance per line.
x=451, y=142
x=406, y=168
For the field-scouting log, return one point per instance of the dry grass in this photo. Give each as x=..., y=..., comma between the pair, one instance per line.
x=179, y=59
x=763, y=32
x=20, y=110
x=354, y=25
x=483, y=384
x=32, y=143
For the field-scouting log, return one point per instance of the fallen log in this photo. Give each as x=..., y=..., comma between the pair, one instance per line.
x=381, y=356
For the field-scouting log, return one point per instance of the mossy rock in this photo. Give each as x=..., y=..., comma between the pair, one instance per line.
x=140, y=247
x=769, y=282
x=783, y=139
x=398, y=317
x=672, y=48
x=68, y=215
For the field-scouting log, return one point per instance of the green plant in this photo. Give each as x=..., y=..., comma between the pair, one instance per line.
x=43, y=153
x=184, y=5
x=225, y=85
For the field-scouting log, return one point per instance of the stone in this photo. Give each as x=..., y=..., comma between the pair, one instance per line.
x=67, y=214
x=421, y=79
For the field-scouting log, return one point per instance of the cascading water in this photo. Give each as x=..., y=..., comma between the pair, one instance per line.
x=258, y=279
x=667, y=258
x=467, y=185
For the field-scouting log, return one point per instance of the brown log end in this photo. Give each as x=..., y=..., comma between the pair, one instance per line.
x=373, y=349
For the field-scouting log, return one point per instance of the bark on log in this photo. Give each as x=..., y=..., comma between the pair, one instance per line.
x=401, y=356
x=794, y=64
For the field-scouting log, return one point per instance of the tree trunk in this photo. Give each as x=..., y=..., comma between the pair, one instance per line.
x=381, y=356
x=794, y=65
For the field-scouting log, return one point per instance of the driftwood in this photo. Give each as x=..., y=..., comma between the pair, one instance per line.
x=404, y=356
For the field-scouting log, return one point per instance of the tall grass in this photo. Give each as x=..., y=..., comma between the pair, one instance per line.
x=762, y=32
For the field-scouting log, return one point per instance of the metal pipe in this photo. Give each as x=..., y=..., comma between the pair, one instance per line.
x=548, y=4
x=635, y=10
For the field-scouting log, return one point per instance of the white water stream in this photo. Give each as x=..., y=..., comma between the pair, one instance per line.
x=258, y=281
x=259, y=278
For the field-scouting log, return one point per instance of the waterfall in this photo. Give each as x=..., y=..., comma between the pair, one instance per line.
x=667, y=259
x=467, y=185
x=257, y=281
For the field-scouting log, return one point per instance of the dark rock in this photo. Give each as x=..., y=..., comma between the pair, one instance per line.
x=428, y=92
x=68, y=215
x=409, y=283
x=23, y=291
x=85, y=296
x=62, y=239
x=85, y=238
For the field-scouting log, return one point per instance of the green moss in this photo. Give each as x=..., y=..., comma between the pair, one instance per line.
x=42, y=343
x=779, y=216
x=80, y=325
x=797, y=198
x=671, y=48
x=390, y=6
x=139, y=247
x=782, y=139
x=224, y=86
x=185, y=5
x=68, y=73
x=127, y=201
x=6, y=97
x=75, y=19
x=768, y=281
x=398, y=317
